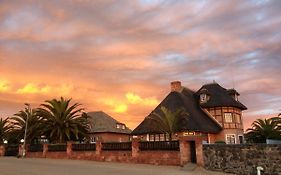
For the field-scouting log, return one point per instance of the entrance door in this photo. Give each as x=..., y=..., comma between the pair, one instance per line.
x=192, y=152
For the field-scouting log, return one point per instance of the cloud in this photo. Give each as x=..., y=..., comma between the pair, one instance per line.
x=116, y=105
x=31, y=88
x=136, y=99
x=4, y=86
x=127, y=52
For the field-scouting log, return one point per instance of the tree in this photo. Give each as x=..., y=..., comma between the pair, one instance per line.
x=169, y=122
x=5, y=128
x=63, y=121
x=263, y=129
x=34, y=125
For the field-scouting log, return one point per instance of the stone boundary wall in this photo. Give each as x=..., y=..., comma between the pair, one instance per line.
x=243, y=159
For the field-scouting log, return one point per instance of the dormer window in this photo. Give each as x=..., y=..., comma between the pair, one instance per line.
x=236, y=97
x=204, y=95
x=120, y=126
x=203, y=98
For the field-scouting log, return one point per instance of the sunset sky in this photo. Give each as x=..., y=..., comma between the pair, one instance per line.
x=120, y=56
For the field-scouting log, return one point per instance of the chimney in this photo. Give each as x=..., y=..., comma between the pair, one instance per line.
x=176, y=86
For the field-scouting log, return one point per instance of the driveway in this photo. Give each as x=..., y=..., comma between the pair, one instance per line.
x=32, y=166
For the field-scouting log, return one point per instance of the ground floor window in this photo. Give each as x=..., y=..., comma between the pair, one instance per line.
x=230, y=138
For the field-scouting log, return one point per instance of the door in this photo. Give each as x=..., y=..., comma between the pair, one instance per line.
x=192, y=152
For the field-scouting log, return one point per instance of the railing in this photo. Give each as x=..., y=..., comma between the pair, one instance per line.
x=124, y=146
x=36, y=148
x=83, y=147
x=57, y=148
x=161, y=145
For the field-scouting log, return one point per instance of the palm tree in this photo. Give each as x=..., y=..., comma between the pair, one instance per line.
x=5, y=128
x=63, y=121
x=169, y=122
x=34, y=125
x=262, y=130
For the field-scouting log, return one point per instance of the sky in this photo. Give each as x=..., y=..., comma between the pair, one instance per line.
x=120, y=56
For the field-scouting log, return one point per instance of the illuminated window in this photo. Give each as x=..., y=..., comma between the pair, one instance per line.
x=120, y=126
x=228, y=117
x=230, y=138
x=238, y=118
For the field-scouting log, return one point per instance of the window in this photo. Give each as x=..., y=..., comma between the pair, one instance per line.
x=230, y=138
x=228, y=117
x=120, y=126
x=203, y=98
x=238, y=118
x=151, y=137
x=162, y=137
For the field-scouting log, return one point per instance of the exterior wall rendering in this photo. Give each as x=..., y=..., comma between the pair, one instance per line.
x=110, y=137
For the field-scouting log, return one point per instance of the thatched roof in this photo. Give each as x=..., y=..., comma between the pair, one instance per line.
x=101, y=122
x=220, y=97
x=198, y=120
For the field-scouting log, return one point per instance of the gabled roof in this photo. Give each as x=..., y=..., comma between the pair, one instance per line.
x=101, y=122
x=219, y=97
x=198, y=120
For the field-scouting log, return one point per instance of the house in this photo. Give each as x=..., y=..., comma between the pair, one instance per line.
x=106, y=129
x=213, y=114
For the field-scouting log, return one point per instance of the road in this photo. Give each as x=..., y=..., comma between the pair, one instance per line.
x=28, y=166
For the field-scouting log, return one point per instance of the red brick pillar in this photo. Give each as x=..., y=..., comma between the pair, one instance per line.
x=69, y=149
x=27, y=146
x=45, y=150
x=20, y=150
x=2, y=150
x=98, y=148
x=135, y=148
x=199, y=152
x=184, y=152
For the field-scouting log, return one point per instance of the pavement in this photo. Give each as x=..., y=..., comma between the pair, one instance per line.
x=37, y=166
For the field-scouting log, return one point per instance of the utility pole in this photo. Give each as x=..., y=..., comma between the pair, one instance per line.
x=25, y=130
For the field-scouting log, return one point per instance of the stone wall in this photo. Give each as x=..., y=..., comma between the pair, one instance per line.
x=243, y=159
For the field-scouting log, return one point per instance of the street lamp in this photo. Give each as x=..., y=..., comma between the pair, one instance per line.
x=25, y=130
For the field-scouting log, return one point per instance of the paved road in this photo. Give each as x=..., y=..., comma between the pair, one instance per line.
x=14, y=166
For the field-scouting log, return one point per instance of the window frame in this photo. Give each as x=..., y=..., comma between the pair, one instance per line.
x=225, y=119
x=226, y=136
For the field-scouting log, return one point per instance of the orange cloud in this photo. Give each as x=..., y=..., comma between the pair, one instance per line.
x=116, y=105
x=32, y=88
x=4, y=86
x=136, y=99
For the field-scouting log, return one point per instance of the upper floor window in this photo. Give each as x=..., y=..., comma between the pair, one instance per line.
x=203, y=98
x=238, y=118
x=228, y=117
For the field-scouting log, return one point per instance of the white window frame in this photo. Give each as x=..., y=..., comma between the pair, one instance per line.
x=224, y=115
x=235, y=140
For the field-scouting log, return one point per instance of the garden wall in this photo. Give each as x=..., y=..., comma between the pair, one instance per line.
x=243, y=159
x=149, y=153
